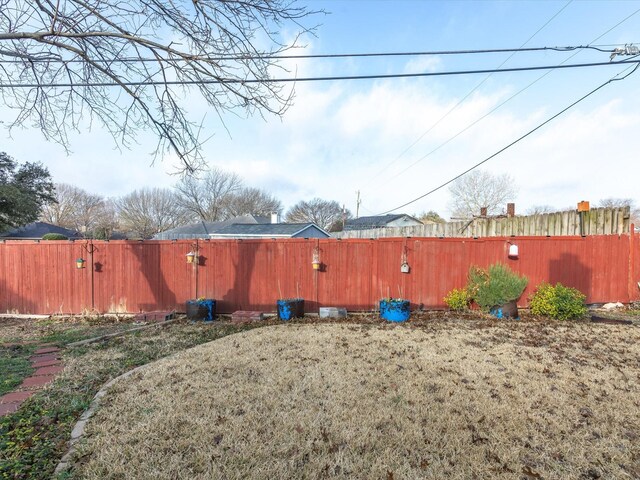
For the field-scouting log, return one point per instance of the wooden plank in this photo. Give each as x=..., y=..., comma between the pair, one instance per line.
x=607, y=228
x=591, y=227
x=564, y=223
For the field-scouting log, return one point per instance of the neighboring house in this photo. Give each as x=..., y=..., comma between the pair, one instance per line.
x=205, y=229
x=35, y=231
x=382, y=221
x=271, y=230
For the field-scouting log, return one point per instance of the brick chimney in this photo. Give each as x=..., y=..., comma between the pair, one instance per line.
x=511, y=209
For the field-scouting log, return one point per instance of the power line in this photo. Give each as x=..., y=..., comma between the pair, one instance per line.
x=461, y=101
x=511, y=97
x=309, y=79
x=611, y=80
x=217, y=58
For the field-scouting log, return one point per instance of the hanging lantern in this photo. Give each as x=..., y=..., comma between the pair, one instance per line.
x=191, y=257
x=513, y=251
x=80, y=263
x=316, y=259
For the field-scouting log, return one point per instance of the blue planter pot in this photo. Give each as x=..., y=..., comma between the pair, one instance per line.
x=508, y=310
x=201, y=309
x=290, y=308
x=395, y=310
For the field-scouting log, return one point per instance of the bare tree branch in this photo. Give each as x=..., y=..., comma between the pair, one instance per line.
x=480, y=189
x=146, y=212
x=80, y=42
x=250, y=201
x=324, y=213
x=77, y=209
x=204, y=197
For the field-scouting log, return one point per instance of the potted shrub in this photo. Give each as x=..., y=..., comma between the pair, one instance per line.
x=289, y=308
x=201, y=309
x=496, y=289
x=395, y=309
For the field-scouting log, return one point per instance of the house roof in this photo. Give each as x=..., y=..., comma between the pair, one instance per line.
x=267, y=230
x=37, y=229
x=376, y=221
x=203, y=229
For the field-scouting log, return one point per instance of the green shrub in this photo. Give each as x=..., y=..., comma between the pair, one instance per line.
x=495, y=286
x=559, y=302
x=458, y=299
x=54, y=236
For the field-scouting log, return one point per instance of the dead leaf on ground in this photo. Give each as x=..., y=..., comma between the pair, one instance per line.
x=530, y=473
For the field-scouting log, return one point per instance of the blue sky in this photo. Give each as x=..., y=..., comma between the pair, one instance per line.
x=340, y=137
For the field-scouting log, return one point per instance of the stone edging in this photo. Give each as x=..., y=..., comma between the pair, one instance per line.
x=78, y=429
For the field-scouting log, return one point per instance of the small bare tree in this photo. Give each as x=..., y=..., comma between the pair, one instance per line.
x=132, y=64
x=205, y=197
x=327, y=214
x=250, y=201
x=541, y=209
x=143, y=213
x=77, y=209
x=479, y=189
x=622, y=203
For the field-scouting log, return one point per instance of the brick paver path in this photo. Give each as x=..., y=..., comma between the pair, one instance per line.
x=46, y=361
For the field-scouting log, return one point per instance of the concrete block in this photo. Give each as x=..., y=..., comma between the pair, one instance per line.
x=333, y=312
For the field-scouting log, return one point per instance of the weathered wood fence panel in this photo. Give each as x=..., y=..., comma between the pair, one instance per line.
x=140, y=276
x=130, y=276
x=597, y=221
x=43, y=278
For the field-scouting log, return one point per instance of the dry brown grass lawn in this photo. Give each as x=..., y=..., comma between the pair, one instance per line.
x=440, y=400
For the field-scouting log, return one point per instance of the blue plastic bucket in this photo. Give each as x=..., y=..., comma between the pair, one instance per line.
x=201, y=309
x=395, y=310
x=508, y=310
x=290, y=308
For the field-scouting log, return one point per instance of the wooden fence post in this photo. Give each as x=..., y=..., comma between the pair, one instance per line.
x=632, y=258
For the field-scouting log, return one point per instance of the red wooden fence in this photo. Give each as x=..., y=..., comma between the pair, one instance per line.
x=130, y=276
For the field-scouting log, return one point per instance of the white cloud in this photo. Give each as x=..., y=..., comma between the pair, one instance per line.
x=422, y=64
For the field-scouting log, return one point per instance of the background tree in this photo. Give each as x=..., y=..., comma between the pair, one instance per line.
x=134, y=64
x=79, y=210
x=24, y=190
x=613, y=202
x=430, y=217
x=104, y=220
x=204, y=197
x=143, y=213
x=251, y=201
x=327, y=214
x=479, y=189
x=541, y=209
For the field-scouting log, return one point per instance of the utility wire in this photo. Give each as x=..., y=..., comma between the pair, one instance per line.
x=508, y=99
x=308, y=79
x=217, y=58
x=611, y=80
x=461, y=101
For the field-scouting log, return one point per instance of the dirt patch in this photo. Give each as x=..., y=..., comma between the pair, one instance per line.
x=457, y=399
